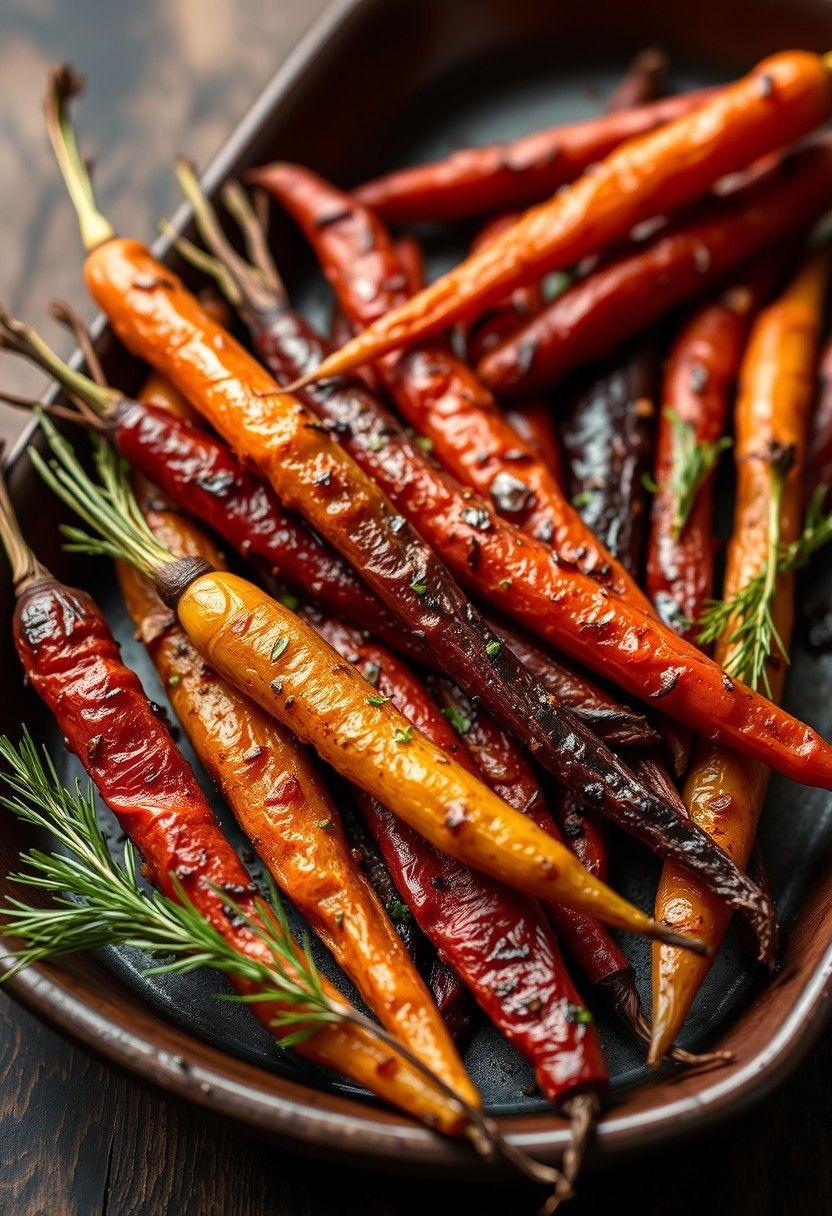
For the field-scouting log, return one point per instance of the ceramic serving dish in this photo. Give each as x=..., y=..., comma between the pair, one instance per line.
x=378, y=83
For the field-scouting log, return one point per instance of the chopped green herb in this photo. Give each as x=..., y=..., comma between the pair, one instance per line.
x=403, y=734
x=327, y=825
x=290, y=601
x=505, y=584
x=397, y=911
x=174, y=679
x=692, y=462
x=424, y=442
x=582, y=500
x=376, y=443
x=493, y=648
x=278, y=648
x=458, y=720
x=419, y=587
x=650, y=484
x=377, y=700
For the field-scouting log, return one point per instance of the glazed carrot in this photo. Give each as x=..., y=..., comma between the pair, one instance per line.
x=607, y=436
x=154, y=314
x=524, y=987
x=284, y=341
x=783, y=98
x=283, y=806
x=699, y=382
x=572, y=611
x=513, y=174
x=434, y=390
x=262, y=648
x=724, y=791
x=820, y=443
x=626, y=294
x=507, y=772
x=642, y=83
x=440, y=397
x=71, y=659
x=201, y=475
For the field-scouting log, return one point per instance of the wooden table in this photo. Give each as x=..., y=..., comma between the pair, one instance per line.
x=76, y=1137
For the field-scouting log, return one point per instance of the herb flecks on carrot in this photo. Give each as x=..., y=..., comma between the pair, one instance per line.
x=781, y=99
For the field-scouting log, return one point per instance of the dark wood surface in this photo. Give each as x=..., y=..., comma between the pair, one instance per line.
x=76, y=1137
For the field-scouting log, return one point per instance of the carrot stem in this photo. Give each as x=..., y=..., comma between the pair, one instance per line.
x=64, y=84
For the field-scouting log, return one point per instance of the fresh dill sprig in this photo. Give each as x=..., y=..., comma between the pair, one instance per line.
x=745, y=620
x=693, y=461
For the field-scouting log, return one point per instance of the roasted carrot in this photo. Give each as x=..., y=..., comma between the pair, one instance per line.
x=434, y=390
x=509, y=774
x=156, y=315
x=284, y=808
x=283, y=340
x=445, y=987
x=699, y=382
x=152, y=312
x=439, y=396
x=72, y=661
x=267, y=652
x=724, y=790
x=607, y=436
x=493, y=178
x=626, y=294
x=783, y=98
x=524, y=987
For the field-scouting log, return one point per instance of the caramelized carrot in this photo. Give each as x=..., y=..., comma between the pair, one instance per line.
x=279, y=661
x=434, y=390
x=526, y=991
x=724, y=791
x=783, y=98
x=699, y=382
x=514, y=174
x=153, y=313
x=626, y=294
x=72, y=661
x=507, y=772
x=284, y=808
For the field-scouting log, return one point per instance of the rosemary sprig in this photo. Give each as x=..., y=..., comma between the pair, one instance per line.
x=746, y=618
x=96, y=903
x=692, y=463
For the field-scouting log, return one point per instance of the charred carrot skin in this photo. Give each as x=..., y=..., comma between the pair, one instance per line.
x=72, y=661
x=699, y=381
x=434, y=390
x=517, y=575
x=607, y=437
x=378, y=444
x=154, y=315
x=724, y=791
x=780, y=100
x=200, y=474
x=513, y=174
x=524, y=987
x=203, y=477
x=283, y=806
x=628, y=293
x=507, y=772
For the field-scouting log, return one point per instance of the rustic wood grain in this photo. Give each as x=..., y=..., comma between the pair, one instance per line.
x=79, y=1139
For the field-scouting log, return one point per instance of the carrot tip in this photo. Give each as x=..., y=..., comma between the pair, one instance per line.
x=670, y=938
